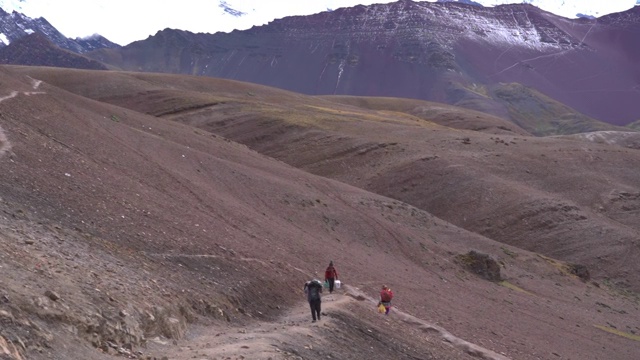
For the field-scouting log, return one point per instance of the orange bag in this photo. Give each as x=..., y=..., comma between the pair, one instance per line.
x=381, y=309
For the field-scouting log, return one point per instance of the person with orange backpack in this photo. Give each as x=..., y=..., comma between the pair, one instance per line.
x=386, y=295
x=330, y=276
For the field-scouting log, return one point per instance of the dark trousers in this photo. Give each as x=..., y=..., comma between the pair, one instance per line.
x=332, y=282
x=315, y=309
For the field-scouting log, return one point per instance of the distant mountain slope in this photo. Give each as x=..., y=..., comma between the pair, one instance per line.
x=36, y=49
x=446, y=115
x=95, y=42
x=528, y=110
x=635, y=125
x=541, y=115
x=422, y=50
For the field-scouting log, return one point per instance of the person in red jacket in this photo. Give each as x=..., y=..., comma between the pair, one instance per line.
x=385, y=298
x=330, y=276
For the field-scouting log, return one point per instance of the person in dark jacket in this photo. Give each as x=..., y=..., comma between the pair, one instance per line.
x=330, y=276
x=313, y=289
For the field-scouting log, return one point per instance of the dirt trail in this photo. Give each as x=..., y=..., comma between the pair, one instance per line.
x=5, y=145
x=273, y=340
x=264, y=340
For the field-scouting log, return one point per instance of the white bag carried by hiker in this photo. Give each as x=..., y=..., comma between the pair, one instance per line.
x=337, y=284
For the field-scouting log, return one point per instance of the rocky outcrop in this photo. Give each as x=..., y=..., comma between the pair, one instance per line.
x=481, y=264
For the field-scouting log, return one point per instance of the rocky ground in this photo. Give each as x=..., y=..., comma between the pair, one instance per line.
x=64, y=296
x=130, y=231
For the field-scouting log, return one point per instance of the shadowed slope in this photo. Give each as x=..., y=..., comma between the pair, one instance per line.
x=220, y=226
x=533, y=111
x=37, y=50
x=450, y=116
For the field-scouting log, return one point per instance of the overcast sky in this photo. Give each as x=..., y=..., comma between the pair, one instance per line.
x=125, y=21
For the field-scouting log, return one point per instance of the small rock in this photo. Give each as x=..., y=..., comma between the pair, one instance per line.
x=29, y=242
x=52, y=295
x=6, y=315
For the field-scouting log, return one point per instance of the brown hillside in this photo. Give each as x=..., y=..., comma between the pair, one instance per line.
x=134, y=223
x=37, y=50
x=515, y=189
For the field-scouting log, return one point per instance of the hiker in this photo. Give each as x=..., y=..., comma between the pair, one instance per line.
x=385, y=298
x=330, y=276
x=313, y=289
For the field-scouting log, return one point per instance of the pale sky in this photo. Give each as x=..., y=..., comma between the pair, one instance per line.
x=125, y=21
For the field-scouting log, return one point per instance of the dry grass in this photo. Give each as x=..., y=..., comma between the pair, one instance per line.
x=618, y=332
x=511, y=286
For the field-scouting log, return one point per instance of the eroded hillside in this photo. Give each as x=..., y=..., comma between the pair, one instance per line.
x=157, y=215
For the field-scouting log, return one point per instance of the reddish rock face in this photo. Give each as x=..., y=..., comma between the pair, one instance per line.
x=433, y=51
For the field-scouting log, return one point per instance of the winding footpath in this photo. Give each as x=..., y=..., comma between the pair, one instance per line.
x=5, y=145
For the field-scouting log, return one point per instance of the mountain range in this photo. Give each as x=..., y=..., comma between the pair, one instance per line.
x=547, y=74
x=15, y=25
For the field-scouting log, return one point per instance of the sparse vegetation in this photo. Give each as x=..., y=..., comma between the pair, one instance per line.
x=481, y=264
x=513, y=254
x=618, y=332
x=543, y=116
x=514, y=287
x=577, y=270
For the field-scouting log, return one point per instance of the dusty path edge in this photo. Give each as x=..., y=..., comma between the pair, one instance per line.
x=463, y=345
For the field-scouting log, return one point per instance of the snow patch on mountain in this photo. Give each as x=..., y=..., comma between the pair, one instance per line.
x=511, y=27
x=571, y=8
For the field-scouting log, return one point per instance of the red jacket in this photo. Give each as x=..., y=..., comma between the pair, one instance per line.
x=386, y=295
x=330, y=273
